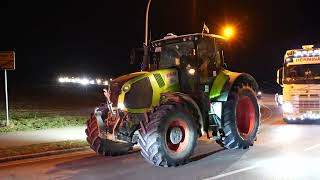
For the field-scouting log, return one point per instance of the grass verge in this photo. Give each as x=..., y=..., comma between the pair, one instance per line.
x=41, y=148
x=23, y=121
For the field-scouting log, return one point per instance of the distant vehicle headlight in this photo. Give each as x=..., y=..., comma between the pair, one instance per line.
x=259, y=93
x=287, y=107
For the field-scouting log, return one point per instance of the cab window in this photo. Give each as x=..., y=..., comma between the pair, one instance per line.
x=209, y=58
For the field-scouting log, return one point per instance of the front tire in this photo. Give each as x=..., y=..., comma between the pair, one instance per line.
x=170, y=136
x=103, y=146
x=241, y=115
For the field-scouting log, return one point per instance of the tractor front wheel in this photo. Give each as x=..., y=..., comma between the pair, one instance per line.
x=104, y=146
x=170, y=136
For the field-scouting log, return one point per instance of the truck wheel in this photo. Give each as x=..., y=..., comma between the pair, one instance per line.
x=241, y=115
x=170, y=136
x=103, y=146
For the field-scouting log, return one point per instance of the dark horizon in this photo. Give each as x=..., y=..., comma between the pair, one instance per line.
x=77, y=37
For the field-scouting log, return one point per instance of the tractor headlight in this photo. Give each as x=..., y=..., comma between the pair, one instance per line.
x=191, y=71
x=287, y=107
x=121, y=105
x=126, y=88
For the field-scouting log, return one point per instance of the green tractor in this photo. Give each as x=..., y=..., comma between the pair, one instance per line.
x=183, y=92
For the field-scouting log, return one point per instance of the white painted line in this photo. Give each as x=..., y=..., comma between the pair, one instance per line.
x=270, y=111
x=232, y=172
x=311, y=148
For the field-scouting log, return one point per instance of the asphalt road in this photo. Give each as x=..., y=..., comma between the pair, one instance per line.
x=282, y=151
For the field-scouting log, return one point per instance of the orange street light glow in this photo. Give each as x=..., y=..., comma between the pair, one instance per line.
x=228, y=32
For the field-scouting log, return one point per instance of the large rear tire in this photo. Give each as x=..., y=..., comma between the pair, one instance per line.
x=103, y=146
x=241, y=119
x=170, y=136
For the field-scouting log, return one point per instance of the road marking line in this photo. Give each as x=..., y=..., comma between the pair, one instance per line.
x=311, y=148
x=270, y=111
x=232, y=172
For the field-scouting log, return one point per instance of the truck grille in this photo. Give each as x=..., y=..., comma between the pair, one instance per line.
x=306, y=102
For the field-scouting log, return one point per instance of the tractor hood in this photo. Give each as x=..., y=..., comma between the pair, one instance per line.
x=117, y=84
x=127, y=77
x=140, y=91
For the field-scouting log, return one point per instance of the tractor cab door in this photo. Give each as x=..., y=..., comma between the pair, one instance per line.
x=209, y=55
x=210, y=60
x=189, y=79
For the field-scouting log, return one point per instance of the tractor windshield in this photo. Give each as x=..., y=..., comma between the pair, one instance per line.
x=171, y=54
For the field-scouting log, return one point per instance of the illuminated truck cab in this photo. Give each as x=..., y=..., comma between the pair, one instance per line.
x=300, y=79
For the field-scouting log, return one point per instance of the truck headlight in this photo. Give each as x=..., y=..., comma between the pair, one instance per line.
x=279, y=99
x=287, y=107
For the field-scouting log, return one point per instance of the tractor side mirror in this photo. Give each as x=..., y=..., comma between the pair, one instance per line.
x=225, y=66
x=279, y=76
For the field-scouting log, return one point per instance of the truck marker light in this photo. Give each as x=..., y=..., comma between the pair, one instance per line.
x=304, y=52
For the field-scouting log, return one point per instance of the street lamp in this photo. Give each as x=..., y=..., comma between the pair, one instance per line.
x=228, y=31
x=147, y=24
x=146, y=60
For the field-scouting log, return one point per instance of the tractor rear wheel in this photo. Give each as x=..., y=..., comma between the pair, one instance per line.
x=103, y=146
x=241, y=119
x=170, y=136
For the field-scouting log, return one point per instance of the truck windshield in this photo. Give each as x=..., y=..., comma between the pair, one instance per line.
x=302, y=72
x=171, y=54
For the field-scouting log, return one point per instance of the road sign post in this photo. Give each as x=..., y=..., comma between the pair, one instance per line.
x=7, y=62
x=6, y=91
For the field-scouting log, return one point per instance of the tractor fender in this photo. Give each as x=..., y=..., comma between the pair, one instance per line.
x=177, y=96
x=226, y=80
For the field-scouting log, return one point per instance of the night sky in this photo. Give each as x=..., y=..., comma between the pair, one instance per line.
x=95, y=37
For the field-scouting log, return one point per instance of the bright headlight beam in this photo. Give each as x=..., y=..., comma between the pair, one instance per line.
x=121, y=105
x=287, y=107
x=83, y=81
x=61, y=80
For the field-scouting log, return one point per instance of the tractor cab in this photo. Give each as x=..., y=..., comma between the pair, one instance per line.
x=198, y=58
